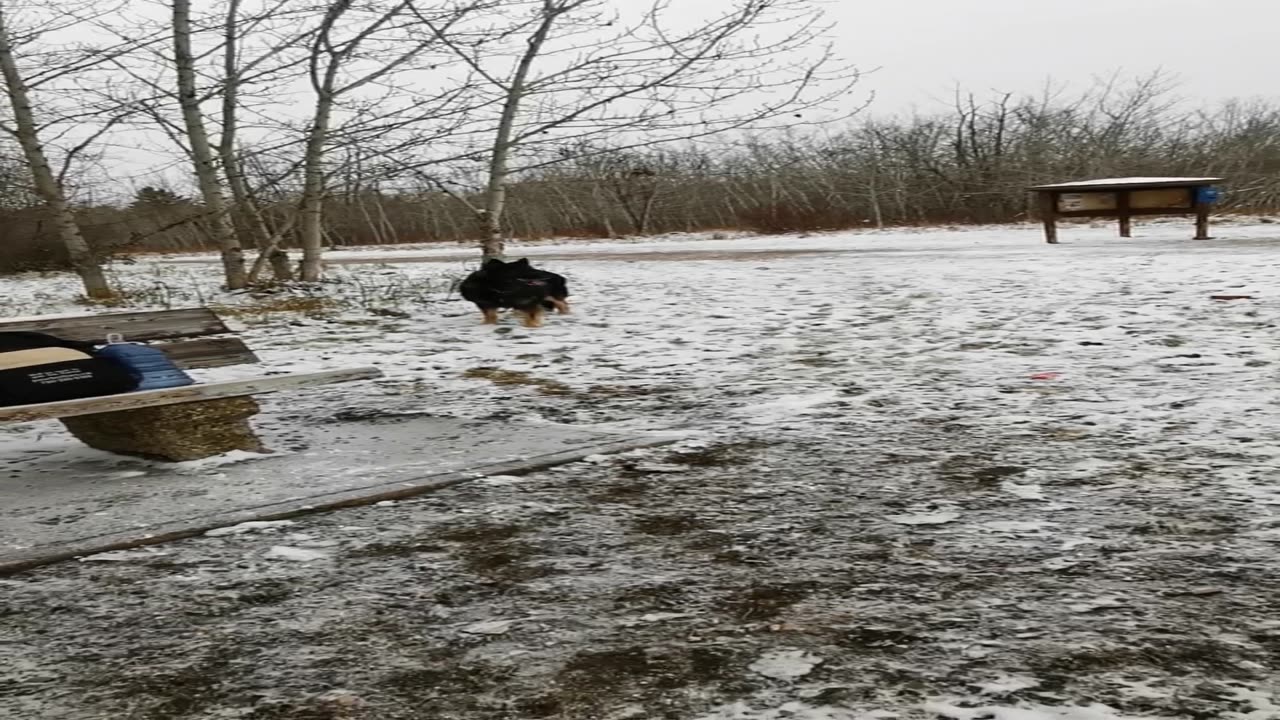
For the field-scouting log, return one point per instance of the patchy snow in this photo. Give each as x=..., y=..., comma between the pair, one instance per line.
x=124, y=555
x=490, y=627
x=1007, y=684
x=1016, y=526
x=1033, y=712
x=791, y=711
x=1023, y=490
x=938, y=518
x=785, y=664
x=247, y=527
x=1109, y=533
x=295, y=554
x=662, y=617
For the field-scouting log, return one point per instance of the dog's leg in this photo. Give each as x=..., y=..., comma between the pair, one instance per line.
x=490, y=316
x=562, y=305
x=531, y=318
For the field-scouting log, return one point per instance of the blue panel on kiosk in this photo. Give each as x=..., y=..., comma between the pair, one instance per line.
x=1208, y=195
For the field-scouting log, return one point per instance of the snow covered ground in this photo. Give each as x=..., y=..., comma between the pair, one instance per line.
x=935, y=474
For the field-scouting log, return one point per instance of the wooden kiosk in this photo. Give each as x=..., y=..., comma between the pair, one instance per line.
x=1124, y=198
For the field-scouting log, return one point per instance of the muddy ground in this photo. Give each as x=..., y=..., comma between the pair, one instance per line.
x=888, y=510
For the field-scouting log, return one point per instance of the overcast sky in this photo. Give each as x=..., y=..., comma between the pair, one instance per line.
x=1217, y=48
x=921, y=49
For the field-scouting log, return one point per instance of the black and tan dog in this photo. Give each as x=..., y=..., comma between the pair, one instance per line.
x=499, y=285
x=557, y=285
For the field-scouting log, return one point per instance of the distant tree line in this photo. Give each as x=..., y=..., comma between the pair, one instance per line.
x=967, y=163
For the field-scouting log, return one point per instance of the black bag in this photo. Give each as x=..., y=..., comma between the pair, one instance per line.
x=37, y=368
x=25, y=340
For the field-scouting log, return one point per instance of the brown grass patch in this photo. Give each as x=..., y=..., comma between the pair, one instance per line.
x=263, y=308
x=726, y=455
x=667, y=525
x=623, y=391
x=498, y=376
x=764, y=602
x=621, y=493
x=505, y=564
x=411, y=546
x=590, y=676
x=480, y=532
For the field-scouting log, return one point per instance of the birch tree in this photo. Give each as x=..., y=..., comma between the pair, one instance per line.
x=29, y=133
x=567, y=71
x=269, y=62
x=202, y=152
x=212, y=57
x=353, y=49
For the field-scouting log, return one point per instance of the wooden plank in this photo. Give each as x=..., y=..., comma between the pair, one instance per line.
x=1086, y=201
x=1167, y=199
x=134, y=326
x=1135, y=212
x=173, y=396
x=209, y=353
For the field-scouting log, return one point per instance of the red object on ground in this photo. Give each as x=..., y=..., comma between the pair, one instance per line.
x=1230, y=297
x=1046, y=376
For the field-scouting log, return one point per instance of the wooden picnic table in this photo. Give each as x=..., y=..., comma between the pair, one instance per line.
x=174, y=424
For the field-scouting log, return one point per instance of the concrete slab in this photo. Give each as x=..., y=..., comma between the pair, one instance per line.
x=59, y=500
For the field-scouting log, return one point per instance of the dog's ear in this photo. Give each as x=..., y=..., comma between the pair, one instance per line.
x=522, y=262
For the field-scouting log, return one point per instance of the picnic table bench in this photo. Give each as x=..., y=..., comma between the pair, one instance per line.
x=175, y=424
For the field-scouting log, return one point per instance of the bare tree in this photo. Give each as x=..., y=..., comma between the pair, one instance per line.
x=579, y=72
x=202, y=151
x=633, y=180
x=235, y=73
x=27, y=131
x=354, y=48
x=258, y=47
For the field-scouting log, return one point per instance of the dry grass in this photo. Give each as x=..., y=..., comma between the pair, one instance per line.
x=376, y=291
x=263, y=309
x=498, y=376
x=545, y=386
x=149, y=293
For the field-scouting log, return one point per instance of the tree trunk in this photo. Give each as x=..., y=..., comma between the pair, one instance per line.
x=223, y=230
x=646, y=216
x=274, y=255
x=248, y=214
x=268, y=244
x=278, y=258
x=313, y=187
x=325, y=84
x=602, y=210
x=877, y=212
x=492, y=244
x=82, y=258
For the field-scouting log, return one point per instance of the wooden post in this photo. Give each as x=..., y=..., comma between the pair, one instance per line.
x=1202, y=214
x=1049, y=215
x=1123, y=207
